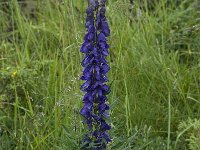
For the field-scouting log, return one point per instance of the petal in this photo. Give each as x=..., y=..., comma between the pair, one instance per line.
x=86, y=47
x=101, y=37
x=83, y=78
x=107, y=137
x=103, y=45
x=105, y=52
x=94, y=92
x=105, y=78
x=105, y=27
x=96, y=117
x=100, y=93
x=88, y=71
x=89, y=10
x=103, y=11
x=97, y=69
x=88, y=98
x=85, y=112
x=96, y=84
x=105, y=68
x=102, y=108
x=95, y=52
x=85, y=85
x=87, y=59
x=89, y=36
x=105, y=126
x=105, y=114
x=106, y=31
x=106, y=89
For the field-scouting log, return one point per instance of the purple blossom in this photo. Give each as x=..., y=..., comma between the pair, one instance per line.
x=95, y=48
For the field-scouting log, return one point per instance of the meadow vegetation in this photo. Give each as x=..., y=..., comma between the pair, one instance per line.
x=154, y=76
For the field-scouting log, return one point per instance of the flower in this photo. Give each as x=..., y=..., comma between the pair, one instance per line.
x=95, y=48
x=14, y=74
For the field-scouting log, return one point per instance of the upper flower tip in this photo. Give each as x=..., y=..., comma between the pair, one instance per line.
x=89, y=10
x=103, y=11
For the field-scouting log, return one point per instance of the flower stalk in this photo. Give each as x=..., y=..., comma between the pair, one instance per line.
x=95, y=47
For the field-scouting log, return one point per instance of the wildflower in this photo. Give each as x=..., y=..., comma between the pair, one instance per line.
x=95, y=47
x=14, y=74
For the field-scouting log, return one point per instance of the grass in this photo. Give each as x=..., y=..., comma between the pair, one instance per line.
x=154, y=76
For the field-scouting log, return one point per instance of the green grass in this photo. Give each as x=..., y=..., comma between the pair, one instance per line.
x=154, y=76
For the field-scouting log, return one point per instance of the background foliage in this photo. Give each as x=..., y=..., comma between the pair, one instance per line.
x=154, y=77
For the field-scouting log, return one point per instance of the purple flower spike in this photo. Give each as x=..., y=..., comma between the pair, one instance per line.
x=95, y=47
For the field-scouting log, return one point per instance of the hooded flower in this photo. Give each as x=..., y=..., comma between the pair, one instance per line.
x=95, y=48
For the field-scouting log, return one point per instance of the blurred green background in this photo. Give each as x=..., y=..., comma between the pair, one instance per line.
x=154, y=76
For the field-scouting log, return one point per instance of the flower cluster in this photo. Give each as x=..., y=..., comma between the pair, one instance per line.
x=95, y=47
